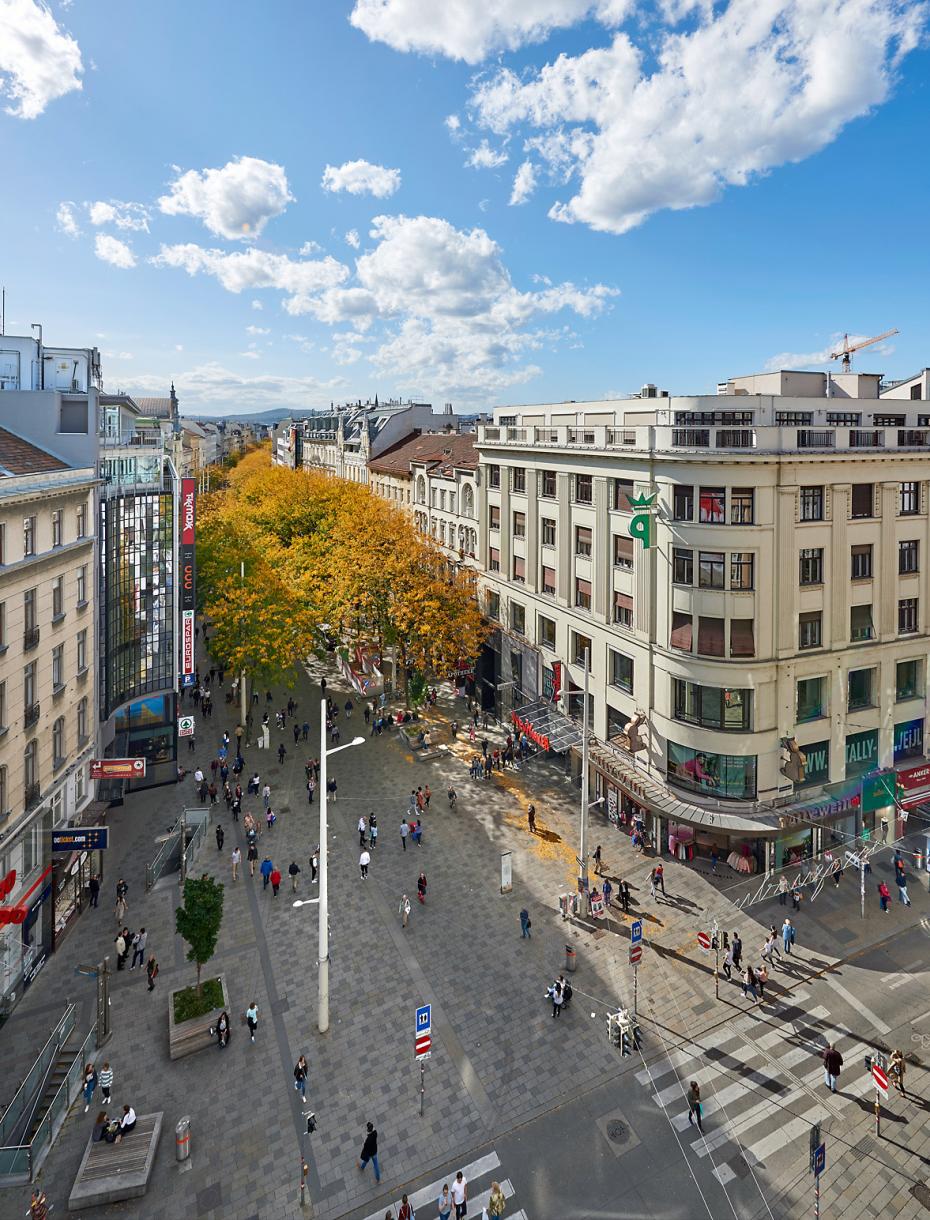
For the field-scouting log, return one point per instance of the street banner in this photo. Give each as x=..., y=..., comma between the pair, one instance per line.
x=117, y=768
x=188, y=561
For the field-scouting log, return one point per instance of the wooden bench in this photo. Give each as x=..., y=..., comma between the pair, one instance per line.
x=111, y=1172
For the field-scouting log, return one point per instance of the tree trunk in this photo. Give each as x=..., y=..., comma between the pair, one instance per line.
x=199, y=984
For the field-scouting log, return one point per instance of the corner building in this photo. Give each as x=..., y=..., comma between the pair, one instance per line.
x=780, y=610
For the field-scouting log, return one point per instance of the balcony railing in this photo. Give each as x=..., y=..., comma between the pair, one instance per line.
x=736, y=438
x=132, y=440
x=913, y=438
x=621, y=436
x=870, y=438
x=30, y=638
x=691, y=438
x=810, y=438
x=31, y=715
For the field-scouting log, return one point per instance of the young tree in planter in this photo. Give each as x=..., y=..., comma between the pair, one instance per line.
x=198, y=920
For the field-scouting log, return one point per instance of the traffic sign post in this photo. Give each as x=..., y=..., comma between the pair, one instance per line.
x=636, y=932
x=422, y=1042
x=636, y=954
x=881, y=1086
x=715, y=941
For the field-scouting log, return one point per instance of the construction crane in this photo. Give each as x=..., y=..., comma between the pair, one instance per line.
x=846, y=351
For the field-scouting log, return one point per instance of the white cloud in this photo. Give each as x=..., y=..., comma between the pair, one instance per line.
x=257, y=330
x=352, y=239
x=251, y=355
x=524, y=183
x=257, y=305
x=66, y=220
x=38, y=61
x=486, y=157
x=361, y=178
x=463, y=29
x=235, y=202
x=453, y=123
x=123, y=215
x=762, y=83
x=215, y=388
x=119, y=356
x=310, y=247
x=112, y=250
x=821, y=358
x=179, y=347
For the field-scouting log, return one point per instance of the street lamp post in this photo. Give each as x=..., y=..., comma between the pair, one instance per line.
x=583, y=850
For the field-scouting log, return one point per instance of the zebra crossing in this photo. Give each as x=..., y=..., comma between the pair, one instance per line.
x=761, y=1087
x=479, y=1175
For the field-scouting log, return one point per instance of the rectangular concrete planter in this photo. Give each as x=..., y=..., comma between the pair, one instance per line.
x=186, y=1037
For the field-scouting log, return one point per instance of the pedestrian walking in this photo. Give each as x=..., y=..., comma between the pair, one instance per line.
x=832, y=1063
x=525, y=924
x=404, y=910
x=837, y=873
x=364, y=860
x=94, y=887
x=370, y=1151
x=770, y=947
x=416, y=833
x=783, y=890
x=896, y=1068
x=421, y=888
x=660, y=877
x=372, y=831
x=625, y=896
x=275, y=881
x=444, y=1202
x=728, y=962
x=713, y=859
x=122, y=905
x=796, y=898
x=311, y=788
x=105, y=1078
x=496, y=1201
x=362, y=831
x=737, y=950
x=296, y=734
x=90, y=1085
x=884, y=896
x=460, y=1195
x=695, y=1111
x=453, y=797
x=266, y=796
x=300, y=1076
x=139, y=942
x=266, y=868
x=151, y=971
x=282, y=753
x=404, y=831
x=427, y=794
x=294, y=872
x=787, y=935
x=219, y=837
x=331, y=787
x=314, y=864
x=251, y=1019
x=120, y=943
x=597, y=861
x=900, y=878
x=608, y=891
x=405, y=1211
x=762, y=977
x=749, y=982
x=236, y=861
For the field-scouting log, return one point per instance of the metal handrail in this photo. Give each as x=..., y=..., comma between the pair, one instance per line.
x=26, y=1089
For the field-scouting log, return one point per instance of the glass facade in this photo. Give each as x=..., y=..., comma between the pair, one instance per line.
x=729, y=776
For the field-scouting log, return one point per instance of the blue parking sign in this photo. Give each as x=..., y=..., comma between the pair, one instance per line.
x=636, y=932
x=424, y=1019
x=820, y=1159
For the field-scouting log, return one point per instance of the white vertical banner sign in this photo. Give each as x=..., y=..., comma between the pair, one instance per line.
x=506, y=872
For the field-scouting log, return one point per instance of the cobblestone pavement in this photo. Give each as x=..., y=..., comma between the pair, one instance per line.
x=501, y=1065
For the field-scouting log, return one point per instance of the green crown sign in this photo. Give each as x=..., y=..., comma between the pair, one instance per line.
x=641, y=523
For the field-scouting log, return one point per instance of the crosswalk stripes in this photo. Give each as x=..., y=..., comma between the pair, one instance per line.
x=484, y=1167
x=761, y=1091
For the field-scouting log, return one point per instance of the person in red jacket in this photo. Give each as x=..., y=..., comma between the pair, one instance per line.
x=276, y=880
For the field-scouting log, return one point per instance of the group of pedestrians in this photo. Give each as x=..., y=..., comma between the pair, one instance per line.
x=126, y=942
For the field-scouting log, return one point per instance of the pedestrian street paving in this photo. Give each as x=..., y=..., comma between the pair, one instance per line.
x=761, y=1087
x=483, y=1172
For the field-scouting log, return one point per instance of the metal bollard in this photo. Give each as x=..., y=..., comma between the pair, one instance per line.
x=571, y=959
x=182, y=1138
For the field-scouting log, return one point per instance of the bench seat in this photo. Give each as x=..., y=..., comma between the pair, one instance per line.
x=111, y=1172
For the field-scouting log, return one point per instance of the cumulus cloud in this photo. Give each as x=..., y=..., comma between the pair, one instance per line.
x=310, y=247
x=38, y=61
x=235, y=202
x=524, y=183
x=257, y=305
x=361, y=178
x=122, y=215
x=66, y=219
x=462, y=29
x=759, y=84
x=111, y=250
x=453, y=123
x=352, y=239
x=486, y=157
x=821, y=358
x=257, y=330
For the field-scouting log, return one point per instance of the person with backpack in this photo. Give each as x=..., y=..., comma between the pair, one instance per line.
x=293, y=872
x=695, y=1112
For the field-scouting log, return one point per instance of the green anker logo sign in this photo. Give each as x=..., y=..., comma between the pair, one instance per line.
x=641, y=523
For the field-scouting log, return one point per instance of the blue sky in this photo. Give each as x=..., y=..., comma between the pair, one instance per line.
x=278, y=209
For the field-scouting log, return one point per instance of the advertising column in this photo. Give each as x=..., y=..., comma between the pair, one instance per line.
x=188, y=578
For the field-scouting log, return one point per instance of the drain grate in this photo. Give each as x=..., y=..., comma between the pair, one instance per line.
x=617, y=1132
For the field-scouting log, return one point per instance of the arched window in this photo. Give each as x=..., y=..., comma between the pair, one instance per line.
x=421, y=489
x=468, y=501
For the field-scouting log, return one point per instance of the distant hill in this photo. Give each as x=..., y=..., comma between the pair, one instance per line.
x=272, y=416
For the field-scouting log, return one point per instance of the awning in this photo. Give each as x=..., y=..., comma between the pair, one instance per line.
x=547, y=727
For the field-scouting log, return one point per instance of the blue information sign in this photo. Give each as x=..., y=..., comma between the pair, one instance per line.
x=424, y=1017
x=820, y=1159
x=636, y=932
x=81, y=838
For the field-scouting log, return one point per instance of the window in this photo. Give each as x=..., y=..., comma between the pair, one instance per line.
x=82, y=521
x=56, y=527
x=683, y=503
x=58, y=598
x=29, y=685
x=494, y=476
x=29, y=611
x=728, y=776
x=82, y=585
x=582, y=540
x=811, y=503
x=908, y=681
x=519, y=569
x=31, y=770
x=888, y=421
x=58, y=670
x=794, y=419
x=58, y=742
x=3, y=789
x=623, y=551
x=81, y=651
x=548, y=531
x=494, y=559
x=682, y=566
x=810, y=567
x=518, y=618
x=682, y=631
x=810, y=630
x=621, y=670
x=494, y=516
x=494, y=605
x=623, y=610
x=547, y=484
x=710, y=641
x=623, y=490
x=742, y=506
x=584, y=489
x=581, y=645
x=861, y=568
x=859, y=690
x=811, y=704
x=548, y=581
x=862, y=500
x=82, y=721
x=860, y=623
x=844, y=419
x=711, y=569
x=742, y=637
x=742, y=570
x=712, y=506
x=546, y=632
x=711, y=706
x=2, y=543
x=519, y=478
x=29, y=536
x=907, y=615
x=519, y=525
x=909, y=499
x=907, y=556
x=2, y=628
x=582, y=593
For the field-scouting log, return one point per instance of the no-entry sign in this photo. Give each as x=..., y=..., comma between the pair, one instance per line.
x=421, y=1046
x=636, y=953
x=880, y=1078
x=704, y=940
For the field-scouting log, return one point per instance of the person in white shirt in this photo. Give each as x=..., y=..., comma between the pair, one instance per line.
x=362, y=830
x=404, y=910
x=460, y=1195
x=363, y=861
x=127, y=1122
